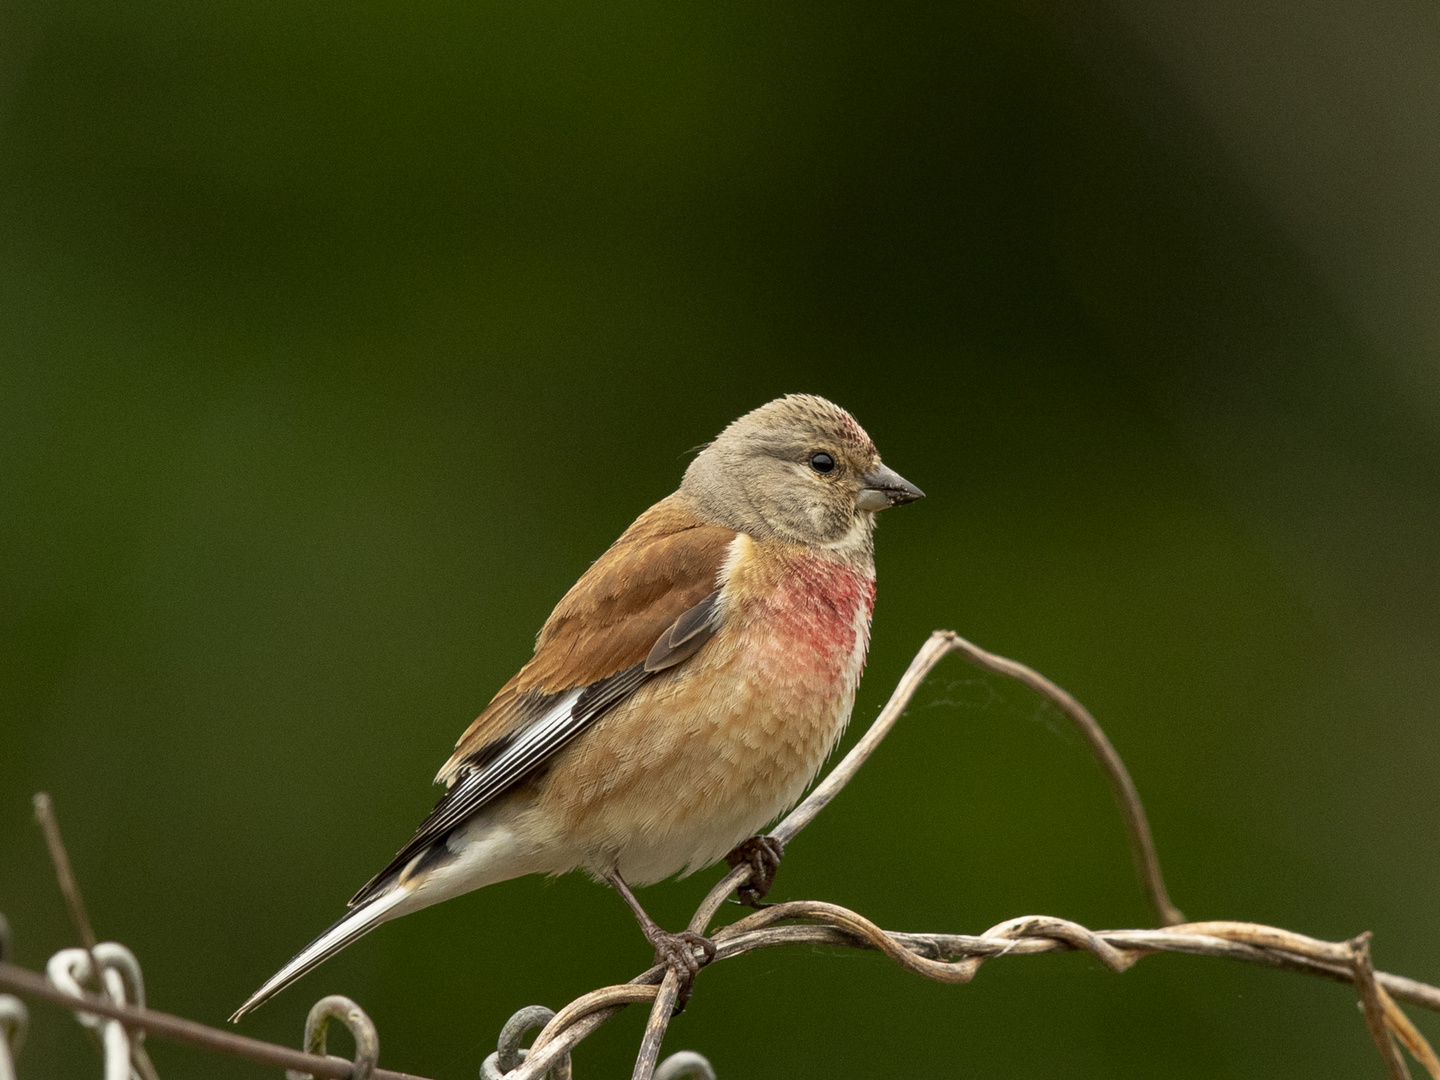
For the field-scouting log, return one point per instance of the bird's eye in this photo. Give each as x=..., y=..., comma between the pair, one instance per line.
x=822, y=462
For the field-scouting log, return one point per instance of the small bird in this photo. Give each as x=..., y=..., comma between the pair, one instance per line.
x=682, y=695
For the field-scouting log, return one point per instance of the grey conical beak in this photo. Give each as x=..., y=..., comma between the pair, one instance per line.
x=885, y=487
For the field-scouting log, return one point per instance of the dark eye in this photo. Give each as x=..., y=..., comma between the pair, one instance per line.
x=822, y=462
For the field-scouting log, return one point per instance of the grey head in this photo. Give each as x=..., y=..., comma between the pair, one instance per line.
x=799, y=469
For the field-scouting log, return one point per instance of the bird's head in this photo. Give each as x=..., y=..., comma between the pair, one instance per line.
x=800, y=469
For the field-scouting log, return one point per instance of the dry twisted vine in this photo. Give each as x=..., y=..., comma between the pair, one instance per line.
x=952, y=958
x=955, y=958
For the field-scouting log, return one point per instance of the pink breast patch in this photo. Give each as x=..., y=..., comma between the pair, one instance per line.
x=818, y=608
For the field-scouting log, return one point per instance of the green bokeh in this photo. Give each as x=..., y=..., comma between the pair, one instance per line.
x=335, y=343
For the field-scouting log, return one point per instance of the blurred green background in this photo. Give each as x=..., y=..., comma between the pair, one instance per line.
x=336, y=341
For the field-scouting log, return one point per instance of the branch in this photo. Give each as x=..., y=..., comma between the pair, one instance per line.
x=69, y=887
x=928, y=954
x=1373, y=1008
x=939, y=645
x=955, y=958
x=1142, y=845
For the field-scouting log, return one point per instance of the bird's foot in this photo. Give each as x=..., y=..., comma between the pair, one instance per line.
x=677, y=952
x=762, y=854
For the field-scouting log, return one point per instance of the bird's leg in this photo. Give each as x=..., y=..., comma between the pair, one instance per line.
x=675, y=951
x=762, y=854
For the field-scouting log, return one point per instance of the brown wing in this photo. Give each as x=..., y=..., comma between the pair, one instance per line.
x=647, y=604
x=665, y=564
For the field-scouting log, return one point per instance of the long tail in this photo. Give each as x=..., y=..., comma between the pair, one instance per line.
x=352, y=926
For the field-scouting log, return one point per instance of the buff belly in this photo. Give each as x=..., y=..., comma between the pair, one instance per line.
x=720, y=769
x=676, y=777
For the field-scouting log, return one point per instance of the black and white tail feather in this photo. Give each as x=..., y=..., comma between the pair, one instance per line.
x=352, y=926
x=392, y=892
x=497, y=768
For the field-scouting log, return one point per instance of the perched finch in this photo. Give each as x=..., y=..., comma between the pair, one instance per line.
x=682, y=694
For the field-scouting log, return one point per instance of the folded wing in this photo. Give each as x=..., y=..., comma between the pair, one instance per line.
x=645, y=606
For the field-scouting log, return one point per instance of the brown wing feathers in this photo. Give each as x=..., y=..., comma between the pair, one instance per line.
x=646, y=605
x=684, y=637
x=611, y=619
x=661, y=567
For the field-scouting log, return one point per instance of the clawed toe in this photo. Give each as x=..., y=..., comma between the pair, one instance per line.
x=677, y=952
x=762, y=854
